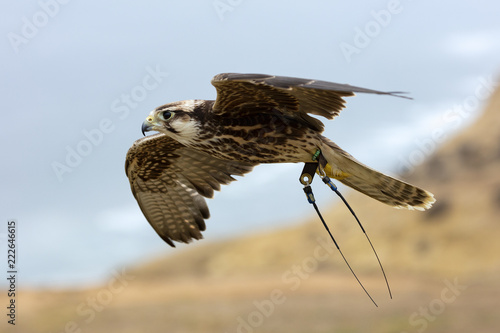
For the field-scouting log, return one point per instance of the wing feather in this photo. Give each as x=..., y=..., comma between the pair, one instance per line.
x=170, y=181
x=238, y=94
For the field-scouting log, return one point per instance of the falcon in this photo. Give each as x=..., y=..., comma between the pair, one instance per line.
x=255, y=119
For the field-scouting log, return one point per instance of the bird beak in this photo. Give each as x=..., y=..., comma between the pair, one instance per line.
x=147, y=125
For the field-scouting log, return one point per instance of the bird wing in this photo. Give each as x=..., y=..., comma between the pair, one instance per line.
x=239, y=94
x=169, y=181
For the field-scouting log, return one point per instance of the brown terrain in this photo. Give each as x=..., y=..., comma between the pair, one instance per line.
x=443, y=266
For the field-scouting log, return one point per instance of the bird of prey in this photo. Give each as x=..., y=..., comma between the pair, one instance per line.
x=255, y=119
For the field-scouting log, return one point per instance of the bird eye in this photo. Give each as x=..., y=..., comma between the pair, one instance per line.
x=166, y=115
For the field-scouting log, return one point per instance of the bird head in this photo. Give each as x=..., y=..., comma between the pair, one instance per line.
x=177, y=120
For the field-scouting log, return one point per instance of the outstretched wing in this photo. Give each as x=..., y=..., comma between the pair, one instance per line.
x=169, y=181
x=238, y=94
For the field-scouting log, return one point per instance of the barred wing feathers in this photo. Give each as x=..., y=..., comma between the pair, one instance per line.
x=170, y=181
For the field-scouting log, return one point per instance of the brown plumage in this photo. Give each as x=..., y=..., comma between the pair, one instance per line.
x=255, y=119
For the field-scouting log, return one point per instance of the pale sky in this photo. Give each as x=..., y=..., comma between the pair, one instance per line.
x=79, y=77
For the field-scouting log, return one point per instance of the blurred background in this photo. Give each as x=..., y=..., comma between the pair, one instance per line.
x=78, y=79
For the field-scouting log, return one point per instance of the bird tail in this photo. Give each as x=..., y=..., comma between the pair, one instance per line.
x=345, y=168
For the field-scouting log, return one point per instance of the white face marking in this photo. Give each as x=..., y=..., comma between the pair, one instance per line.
x=186, y=128
x=188, y=105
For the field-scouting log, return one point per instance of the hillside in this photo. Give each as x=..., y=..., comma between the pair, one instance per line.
x=443, y=266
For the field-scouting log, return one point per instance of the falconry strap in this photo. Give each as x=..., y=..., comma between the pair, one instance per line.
x=306, y=178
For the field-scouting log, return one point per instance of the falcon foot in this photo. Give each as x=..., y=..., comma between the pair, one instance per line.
x=306, y=179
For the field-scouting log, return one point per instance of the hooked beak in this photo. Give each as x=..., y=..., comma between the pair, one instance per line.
x=147, y=125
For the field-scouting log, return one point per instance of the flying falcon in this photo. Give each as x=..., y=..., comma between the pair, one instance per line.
x=255, y=119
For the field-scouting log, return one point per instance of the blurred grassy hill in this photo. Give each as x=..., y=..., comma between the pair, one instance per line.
x=293, y=280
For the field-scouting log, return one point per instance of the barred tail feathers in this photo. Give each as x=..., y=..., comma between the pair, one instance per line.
x=345, y=168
